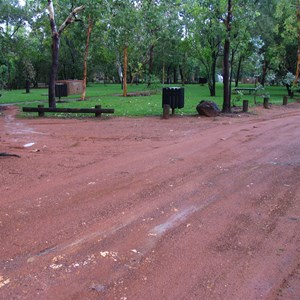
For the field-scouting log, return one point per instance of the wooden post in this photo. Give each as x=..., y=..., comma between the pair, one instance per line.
x=86, y=54
x=266, y=102
x=163, y=74
x=166, y=111
x=97, y=114
x=245, y=105
x=255, y=96
x=285, y=100
x=298, y=52
x=41, y=113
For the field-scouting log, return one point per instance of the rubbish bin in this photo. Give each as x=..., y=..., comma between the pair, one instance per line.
x=173, y=96
x=61, y=90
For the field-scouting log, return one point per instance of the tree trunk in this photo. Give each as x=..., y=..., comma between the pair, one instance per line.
x=125, y=71
x=150, y=70
x=169, y=74
x=226, y=83
x=119, y=69
x=298, y=53
x=289, y=90
x=211, y=71
x=54, y=51
x=56, y=34
x=238, y=72
x=54, y=69
x=163, y=74
x=226, y=64
x=73, y=54
x=130, y=75
x=264, y=73
x=212, y=88
x=212, y=84
x=27, y=86
x=86, y=58
x=231, y=71
x=182, y=75
x=175, y=74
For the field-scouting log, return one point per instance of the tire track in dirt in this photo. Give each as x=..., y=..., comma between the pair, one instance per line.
x=176, y=214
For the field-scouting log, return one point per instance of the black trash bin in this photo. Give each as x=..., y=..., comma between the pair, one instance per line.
x=61, y=90
x=173, y=96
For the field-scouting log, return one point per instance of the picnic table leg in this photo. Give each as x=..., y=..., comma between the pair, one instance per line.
x=245, y=105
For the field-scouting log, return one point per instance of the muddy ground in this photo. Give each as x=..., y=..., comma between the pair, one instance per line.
x=145, y=208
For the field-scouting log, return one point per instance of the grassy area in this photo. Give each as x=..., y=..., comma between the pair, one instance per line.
x=109, y=96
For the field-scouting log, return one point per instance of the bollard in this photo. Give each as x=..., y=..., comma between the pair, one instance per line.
x=266, y=102
x=285, y=100
x=166, y=111
x=97, y=114
x=41, y=113
x=245, y=105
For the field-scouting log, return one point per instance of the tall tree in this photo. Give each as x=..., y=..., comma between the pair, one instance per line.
x=56, y=36
x=226, y=63
x=208, y=35
x=13, y=49
x=86, y=54
x=298, y=31
x=266, y=30
x=122, y=26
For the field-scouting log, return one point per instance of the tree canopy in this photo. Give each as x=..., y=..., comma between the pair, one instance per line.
x=167, y=41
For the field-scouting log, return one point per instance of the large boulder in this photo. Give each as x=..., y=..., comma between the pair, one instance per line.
x=208, y=108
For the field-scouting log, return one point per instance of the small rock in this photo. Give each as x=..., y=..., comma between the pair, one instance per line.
x=98, y=287
x=4, y=281
x=104, y=253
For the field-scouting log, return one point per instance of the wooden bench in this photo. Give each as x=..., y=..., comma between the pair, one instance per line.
x=41, y=110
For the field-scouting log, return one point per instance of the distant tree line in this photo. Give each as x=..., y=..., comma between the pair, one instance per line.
x=163, y=41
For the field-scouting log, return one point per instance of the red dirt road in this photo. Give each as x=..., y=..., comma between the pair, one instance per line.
x=120, y=208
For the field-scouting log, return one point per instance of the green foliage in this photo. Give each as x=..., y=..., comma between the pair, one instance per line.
x=288, y=78
x=185, y=38
x=237, y=98
x=3, y=76
x=28, y=70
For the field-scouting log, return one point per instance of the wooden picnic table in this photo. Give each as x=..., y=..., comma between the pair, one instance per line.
x=250, y=90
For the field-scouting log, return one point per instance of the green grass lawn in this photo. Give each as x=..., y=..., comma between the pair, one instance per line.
x=109, y=96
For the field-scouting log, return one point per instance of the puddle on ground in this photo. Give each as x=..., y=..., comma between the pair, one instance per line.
x=16, y=127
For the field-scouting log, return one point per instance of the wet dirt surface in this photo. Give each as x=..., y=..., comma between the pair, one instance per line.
x=146, y=208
